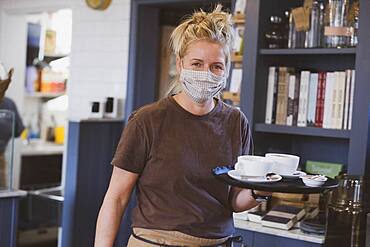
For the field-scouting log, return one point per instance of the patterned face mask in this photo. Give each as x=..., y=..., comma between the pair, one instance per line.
x=201, y=86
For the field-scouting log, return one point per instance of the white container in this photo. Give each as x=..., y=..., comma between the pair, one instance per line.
x=314, y=180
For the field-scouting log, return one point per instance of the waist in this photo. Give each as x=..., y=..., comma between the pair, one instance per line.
x=176, y=237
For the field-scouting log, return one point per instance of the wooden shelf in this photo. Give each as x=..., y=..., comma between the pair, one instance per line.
x=236, y=58
x=235, y=97
x=309, y=51
x=44, y=95
x=305, y=131
x=239, y=19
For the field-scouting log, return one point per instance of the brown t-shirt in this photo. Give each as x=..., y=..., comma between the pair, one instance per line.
x=174, y=152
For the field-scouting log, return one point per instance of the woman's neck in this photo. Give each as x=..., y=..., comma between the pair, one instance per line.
x=195, y=108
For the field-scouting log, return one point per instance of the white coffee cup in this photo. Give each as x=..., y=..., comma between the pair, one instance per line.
x=284, y=164
x=251, y=165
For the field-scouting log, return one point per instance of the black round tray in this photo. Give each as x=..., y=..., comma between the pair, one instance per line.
x=285, y=185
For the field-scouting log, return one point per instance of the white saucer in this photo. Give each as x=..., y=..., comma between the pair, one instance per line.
x=236, y=175
x=295, y=174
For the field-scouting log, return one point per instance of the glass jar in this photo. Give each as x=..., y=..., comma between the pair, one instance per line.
x=275, y=36
x=353, y=22
x=346, y=212
x=337, y=31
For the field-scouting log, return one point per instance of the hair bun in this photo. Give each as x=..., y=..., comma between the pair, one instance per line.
x=198, y=17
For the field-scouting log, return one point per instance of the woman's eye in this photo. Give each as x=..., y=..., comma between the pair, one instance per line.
x=196, y=65
x=218, y=67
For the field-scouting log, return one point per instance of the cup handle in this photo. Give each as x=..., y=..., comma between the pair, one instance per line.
x=236, y=166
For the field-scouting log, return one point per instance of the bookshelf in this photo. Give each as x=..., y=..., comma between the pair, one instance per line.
x=330, y=145
x=304, y=131
x=308, y=51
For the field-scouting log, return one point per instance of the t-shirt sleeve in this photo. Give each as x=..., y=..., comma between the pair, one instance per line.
x=247, y=142
x=132, y=150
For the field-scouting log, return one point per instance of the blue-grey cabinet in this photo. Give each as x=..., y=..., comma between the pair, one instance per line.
x=257, y=239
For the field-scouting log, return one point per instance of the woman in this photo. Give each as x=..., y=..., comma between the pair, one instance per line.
x=169, y=148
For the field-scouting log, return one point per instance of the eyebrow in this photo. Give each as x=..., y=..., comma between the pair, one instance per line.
x=201, y=60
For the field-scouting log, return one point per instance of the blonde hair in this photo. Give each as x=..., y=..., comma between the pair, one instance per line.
x=215, y=26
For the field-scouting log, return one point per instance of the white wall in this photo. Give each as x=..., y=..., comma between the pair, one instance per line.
x=99, y=52
x=99, y=55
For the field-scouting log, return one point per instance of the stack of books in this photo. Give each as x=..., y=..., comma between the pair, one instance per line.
x=283, y=217
x=313, y=99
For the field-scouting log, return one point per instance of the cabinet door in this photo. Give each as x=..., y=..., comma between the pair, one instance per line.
x=247, y=238
x=262, y=240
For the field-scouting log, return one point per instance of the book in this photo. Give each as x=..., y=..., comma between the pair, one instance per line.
x=283, y=216
x=341, y=86
x=319, y=115
x=352, y=92
x=312, y=99
x=282, y=96
x=241, y=215
x=291, y=91
x=328, y=102
x=303, y=98
x=274, y=99
x=333, y=115
x=324, y=168
x=271, y=93
x=346, y=99
x=296, y=100
x=256, y=216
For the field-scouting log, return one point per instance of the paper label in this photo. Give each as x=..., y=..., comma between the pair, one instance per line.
x=338, y=31
x=301, y=17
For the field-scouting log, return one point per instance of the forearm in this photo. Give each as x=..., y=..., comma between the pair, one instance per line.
x=108, y=222
x=241, y=199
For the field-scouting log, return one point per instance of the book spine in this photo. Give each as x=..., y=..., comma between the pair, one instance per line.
x=328, y=103
x=318, y=99
x=312, y=96
x=334, y=104
x=322, y=101
x=270, y=95
x=274, y=99
x=302, y=111
x=296, y=100
x=282, y=98
x=340, y=105
x=346, y=100
x=353, y=79
x=289, y=119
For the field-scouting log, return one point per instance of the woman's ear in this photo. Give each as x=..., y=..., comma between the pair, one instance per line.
x=178, y=65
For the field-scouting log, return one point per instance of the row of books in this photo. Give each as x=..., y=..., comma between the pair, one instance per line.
x=313, y=99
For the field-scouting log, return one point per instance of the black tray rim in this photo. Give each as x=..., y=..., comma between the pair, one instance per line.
x=330, y=184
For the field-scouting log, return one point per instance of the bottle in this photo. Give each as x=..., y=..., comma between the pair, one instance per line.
x=312, y=35
x=321, y=24
x=292, y=32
